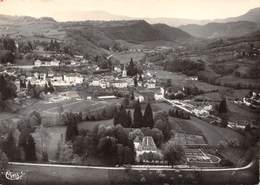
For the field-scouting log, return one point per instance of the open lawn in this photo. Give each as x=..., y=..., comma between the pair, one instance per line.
x=90, y=125
x=240, y=113
x=214, y=134
x=184, y=126
x=56, y=132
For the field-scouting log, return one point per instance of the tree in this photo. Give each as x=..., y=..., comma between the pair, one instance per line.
x=223, y=106
x=72, y=127
x=107, y=149
x=120, y=154
x=35, y=119
x=8, y=44
x=8, y=89
x=3, y=160
x=6, y=56
x=128, y=155
x=35, y=91
x=162, y=123
x=29, y=149
x=138, y=117
x=136, y=133
x=129, y=119
x=9, y=147
x=65, y=154
x=116, y=117
x=122, y=117
x=173, y=153
x=148, y=116
x=135, y=82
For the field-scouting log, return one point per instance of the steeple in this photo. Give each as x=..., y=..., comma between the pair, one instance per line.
x=124, y=74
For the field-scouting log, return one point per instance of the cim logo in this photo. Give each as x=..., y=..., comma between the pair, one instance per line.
x=13, y=176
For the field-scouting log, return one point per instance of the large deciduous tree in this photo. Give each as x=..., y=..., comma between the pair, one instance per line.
x=173, y=153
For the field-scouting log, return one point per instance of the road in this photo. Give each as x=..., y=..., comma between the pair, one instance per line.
x=34, y=174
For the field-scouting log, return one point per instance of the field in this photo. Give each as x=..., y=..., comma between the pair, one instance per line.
x=215, y=134
x=180, y=80
x=125, y=58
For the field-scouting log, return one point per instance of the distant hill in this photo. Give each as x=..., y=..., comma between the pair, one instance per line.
x=170, y=33
x=92, y=37
x=252, y=15
x=106, y=34
x=217, y=30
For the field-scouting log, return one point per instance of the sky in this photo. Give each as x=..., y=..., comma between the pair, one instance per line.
x=190, y=9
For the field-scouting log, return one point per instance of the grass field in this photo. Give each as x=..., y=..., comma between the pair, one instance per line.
x=180, y=80
x=215, y=134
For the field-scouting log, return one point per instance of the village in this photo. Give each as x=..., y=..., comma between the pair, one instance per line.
x=75, y=84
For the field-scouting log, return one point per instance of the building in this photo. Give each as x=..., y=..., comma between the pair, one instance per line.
x=119, y=84
x=37, y=63
x=53, y=63
x=124, y=73
x=159, y=95
x=73, y=79
x=145, y=146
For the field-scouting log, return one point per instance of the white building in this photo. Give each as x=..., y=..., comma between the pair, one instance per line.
x=119, y=84
x=147, y=145
x=124, y=73
x=73, y=79
x=37, y=63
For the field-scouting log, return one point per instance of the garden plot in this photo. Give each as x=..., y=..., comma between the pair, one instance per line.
x=198, y=156
x=189, y=139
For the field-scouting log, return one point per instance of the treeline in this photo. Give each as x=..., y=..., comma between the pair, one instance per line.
x=19, y=145
x=7, y=90
x=109, y=144
x=188, y=67
x=156, y=126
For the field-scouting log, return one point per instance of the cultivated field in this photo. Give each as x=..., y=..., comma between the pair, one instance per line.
x=125, y=58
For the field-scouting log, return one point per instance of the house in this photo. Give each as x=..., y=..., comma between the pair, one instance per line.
x=57, y=78
x=18, y=85
x=73, y=79
x=145, y=146
x=54, y=63
x=139, y=98
x=119, y=84
x=159, y=95
x=150, y=85
x=42, y=76
x=37, y=63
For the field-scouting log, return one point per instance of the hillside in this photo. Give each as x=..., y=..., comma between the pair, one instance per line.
x=105, y=35
x=93, y=37
x=171, y=33
x=217, y=30
x=252, y=15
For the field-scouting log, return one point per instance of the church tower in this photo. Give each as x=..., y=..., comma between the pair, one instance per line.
x=124, y=74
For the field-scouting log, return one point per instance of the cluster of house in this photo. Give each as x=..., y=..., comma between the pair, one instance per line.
x=252, y=100
x=42, y=79
x=123, y=81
